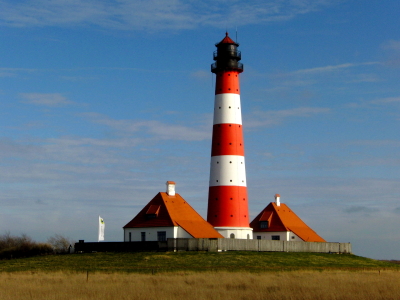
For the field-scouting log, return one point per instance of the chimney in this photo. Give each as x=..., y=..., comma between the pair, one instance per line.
x=171, y=188
x=278, y=200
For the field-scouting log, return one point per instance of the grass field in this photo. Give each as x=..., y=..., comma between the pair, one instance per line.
x=144, y=262
x=305, y=285
x=198, y=275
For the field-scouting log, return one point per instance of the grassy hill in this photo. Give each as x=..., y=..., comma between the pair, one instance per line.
x=145, y=262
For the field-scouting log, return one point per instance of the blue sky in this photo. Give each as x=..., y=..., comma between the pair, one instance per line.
x=102, y=102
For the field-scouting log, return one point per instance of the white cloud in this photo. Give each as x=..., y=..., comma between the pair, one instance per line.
x=45, y=99
x=332, y=75
x=154, y=130
x=270, y=118
x=389, y=100
x=201, y=74
x=391, y=45
x=152, y=14
x=358, y=209
x=371, y=103
x=366, y=78
x=12, y=72
x=326, y=69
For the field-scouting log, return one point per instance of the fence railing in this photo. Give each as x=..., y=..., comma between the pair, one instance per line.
x=215, y=245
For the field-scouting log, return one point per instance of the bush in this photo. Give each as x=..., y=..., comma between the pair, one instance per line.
x=23, y=246
x=60, y=243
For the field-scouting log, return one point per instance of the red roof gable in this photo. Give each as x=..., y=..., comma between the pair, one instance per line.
x=173, y=211
x=282, y=218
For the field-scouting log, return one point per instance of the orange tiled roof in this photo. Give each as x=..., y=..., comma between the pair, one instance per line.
x=282, y=218
x=173, y=211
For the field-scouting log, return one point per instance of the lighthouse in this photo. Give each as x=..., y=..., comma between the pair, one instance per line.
x=228, y=209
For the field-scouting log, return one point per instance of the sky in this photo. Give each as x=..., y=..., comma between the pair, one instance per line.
x=103, y=101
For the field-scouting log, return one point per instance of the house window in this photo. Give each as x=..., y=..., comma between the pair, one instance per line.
x=263, y=224
x=258, y=237
x=161, y=236
x=150, y=216
x=130, y=236
x=276, y=237
x=152, y=212
x=143, y=236
x=232, y=236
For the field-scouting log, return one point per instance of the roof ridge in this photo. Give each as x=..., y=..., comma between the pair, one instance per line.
x=163, y=194
x=279, y=216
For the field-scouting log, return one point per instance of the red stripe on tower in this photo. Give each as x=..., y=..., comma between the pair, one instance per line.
x=227, y=197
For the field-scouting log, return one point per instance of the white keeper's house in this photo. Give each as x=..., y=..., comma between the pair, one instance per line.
x=168, y=215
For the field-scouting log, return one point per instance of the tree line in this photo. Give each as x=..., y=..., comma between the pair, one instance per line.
x=23, y=246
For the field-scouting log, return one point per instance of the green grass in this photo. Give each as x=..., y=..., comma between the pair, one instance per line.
x=150, y=262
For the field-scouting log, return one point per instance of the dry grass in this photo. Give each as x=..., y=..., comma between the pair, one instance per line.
x=210, y=286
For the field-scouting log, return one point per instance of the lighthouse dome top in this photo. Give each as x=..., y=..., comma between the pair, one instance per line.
x=227, y=40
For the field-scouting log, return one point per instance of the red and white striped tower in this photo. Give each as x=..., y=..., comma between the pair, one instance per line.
x=227, y=197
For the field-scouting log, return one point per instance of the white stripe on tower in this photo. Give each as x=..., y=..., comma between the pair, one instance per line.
x=227, y=199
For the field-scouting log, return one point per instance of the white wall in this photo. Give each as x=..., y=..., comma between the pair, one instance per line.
x=239, y=232
x=284, y=236
x=151, y=233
